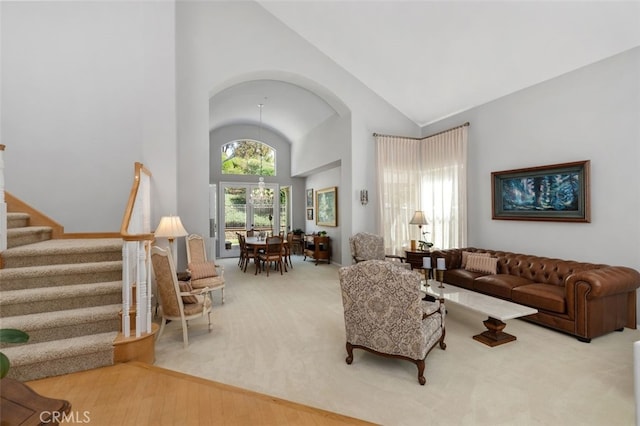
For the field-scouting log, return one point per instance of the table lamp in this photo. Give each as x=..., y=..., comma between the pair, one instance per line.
x=418, y=219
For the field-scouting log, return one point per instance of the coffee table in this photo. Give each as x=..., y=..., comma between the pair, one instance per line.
x=497, y=310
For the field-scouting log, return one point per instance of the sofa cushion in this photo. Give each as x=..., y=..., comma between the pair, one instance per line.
x=484, y=264
x=548, y=297
x=499, y=285
x=466, y=254
x=461, y=277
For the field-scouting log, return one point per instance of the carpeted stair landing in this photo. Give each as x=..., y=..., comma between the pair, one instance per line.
x=66, y=294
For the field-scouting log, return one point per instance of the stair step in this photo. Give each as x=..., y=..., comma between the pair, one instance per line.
x=31, y=301
x=18, y=237
x=17, y=220
x=54, y=358
x=65, y=293
x=63, y=251
x=48, y=326
x=59, y=275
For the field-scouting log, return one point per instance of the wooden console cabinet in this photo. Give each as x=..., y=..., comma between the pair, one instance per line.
x=415, y=257
x=318, y=248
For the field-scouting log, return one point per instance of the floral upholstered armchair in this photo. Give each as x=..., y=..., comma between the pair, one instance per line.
x=368, y=246
x=384, y=313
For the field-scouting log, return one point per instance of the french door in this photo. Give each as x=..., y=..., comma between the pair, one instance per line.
x=240, y=214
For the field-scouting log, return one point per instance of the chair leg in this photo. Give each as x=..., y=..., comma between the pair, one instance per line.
x=164, y=321
x=420, y=364
x=209, y=318
x=349, y=358
x=185, y=334
x=222, y=292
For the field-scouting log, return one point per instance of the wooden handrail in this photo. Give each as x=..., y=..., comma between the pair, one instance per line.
x=138, y=237
x=139, y=169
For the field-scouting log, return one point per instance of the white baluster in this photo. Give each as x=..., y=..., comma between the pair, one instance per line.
x=126, y=290
x=149, y=287
x=3, y=204
x=141, y=284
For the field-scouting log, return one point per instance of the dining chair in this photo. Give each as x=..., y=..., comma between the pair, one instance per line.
x=246, y=253
x=286, y=246
x=272, y=253
x=238, y=235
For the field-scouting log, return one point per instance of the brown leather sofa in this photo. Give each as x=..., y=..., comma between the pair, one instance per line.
x=583, y=299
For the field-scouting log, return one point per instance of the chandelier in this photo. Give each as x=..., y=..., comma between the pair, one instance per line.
x=260, y=196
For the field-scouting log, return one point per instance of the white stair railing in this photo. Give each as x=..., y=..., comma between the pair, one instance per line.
x=3, y=204
x=136, y=249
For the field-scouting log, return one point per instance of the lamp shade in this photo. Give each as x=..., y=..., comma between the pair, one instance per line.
x=170, y=227
x=419, y=218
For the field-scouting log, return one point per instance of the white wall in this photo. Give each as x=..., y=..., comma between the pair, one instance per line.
x=88, y=88
x=213, y=54
x=589, y=114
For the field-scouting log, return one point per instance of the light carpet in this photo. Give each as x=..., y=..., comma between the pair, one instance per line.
x=284, y=336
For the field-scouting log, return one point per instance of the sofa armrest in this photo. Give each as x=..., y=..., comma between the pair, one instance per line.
x=452, y=257
x=605, y=281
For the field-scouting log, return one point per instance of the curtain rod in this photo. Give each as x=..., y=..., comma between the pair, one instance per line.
x=426, y=137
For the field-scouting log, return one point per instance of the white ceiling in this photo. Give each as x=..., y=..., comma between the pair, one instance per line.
x=432, y=59
x=287, y=108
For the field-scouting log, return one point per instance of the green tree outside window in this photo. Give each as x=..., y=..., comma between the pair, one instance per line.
x=248, y=157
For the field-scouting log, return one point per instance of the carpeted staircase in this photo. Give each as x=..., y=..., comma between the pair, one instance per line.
x=65, y=293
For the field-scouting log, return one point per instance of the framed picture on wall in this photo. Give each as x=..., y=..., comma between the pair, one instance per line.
x=310, y=199
x=559, y=192
x=327, y=206
x=309, y=214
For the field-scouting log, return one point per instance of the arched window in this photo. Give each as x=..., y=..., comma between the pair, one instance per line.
x=248, y=157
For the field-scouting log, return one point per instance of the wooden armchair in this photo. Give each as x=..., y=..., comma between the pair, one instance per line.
x=384, y=313
x=204, y=274
x=174, y=302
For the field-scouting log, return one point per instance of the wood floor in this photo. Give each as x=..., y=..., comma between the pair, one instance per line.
x=136, y=393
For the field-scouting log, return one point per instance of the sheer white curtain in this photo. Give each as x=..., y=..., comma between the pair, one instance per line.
x=423, y=174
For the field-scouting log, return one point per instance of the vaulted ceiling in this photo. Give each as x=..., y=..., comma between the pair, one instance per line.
x=433, y=59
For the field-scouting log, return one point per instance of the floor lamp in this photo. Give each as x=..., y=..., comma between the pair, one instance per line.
x=170, y=227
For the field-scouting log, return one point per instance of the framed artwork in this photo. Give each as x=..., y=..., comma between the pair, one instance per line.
x=327, y=206
x=309, y=214
x=310, y=198
x=559, y=192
